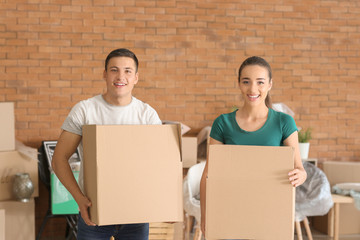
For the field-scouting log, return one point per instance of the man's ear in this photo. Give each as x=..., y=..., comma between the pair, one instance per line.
x=136, y=77
x=104, y=75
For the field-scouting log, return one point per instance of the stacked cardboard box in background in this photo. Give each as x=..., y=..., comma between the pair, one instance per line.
x=2, y=224
x=15, y=213
x=349, y=219
x=13, y=162
x=19, y=219
x=189, y=151
x=7, y=126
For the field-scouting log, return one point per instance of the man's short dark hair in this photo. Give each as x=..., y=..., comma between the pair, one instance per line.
x=122, y=52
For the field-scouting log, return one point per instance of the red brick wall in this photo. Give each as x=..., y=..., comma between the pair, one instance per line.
x=52, y=55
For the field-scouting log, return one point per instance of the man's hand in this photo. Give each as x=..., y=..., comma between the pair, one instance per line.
x=203, y=227
x=84, y=203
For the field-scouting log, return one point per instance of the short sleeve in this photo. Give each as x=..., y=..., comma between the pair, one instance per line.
x=75, y=120
x=217, y=129
x=153, y=117
x=288, y=126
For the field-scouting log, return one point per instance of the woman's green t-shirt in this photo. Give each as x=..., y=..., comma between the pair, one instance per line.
x=278, y=127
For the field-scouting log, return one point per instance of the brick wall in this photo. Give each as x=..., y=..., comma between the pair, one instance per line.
x=52, y=54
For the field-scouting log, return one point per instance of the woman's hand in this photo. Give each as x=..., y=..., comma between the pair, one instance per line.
x=297, y=177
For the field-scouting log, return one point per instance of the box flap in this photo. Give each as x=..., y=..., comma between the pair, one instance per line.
x=179, y=134
x=180, y=140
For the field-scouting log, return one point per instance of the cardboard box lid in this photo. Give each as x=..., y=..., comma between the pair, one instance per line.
x=133, y=173
x=7, y=126
x=13, y=162
x=247, y=188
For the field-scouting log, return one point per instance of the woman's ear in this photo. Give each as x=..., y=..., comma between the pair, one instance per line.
x=270, y=83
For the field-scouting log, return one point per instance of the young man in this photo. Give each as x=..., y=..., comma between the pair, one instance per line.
x=115, y=106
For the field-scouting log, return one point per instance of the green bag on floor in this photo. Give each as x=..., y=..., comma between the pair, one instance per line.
x=61, y=200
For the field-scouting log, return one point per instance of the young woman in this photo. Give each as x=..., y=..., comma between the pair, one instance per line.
x=255, y=123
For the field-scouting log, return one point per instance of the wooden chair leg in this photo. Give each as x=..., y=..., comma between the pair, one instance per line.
x=307, y=228
x=298, y=230
x=188, y=227
x=198, y=233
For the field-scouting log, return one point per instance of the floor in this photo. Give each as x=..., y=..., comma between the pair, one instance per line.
x=321, y=236
x=316, y=236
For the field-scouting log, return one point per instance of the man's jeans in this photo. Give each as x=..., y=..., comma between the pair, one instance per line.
x=120, y=232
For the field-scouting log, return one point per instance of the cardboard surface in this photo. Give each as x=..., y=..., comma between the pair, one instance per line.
x=248, y=194
x=189, y=151
x=2, y=224
x=19, y=220
x=14, y=162
x=133, y=173
x=7, y=126
x=342, y=172
x=349, y=220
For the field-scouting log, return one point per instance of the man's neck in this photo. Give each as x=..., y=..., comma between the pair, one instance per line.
x=119, y=101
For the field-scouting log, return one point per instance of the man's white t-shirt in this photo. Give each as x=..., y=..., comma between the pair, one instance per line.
x=96, y=110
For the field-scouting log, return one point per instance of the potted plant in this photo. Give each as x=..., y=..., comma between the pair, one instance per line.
x=304, y=144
